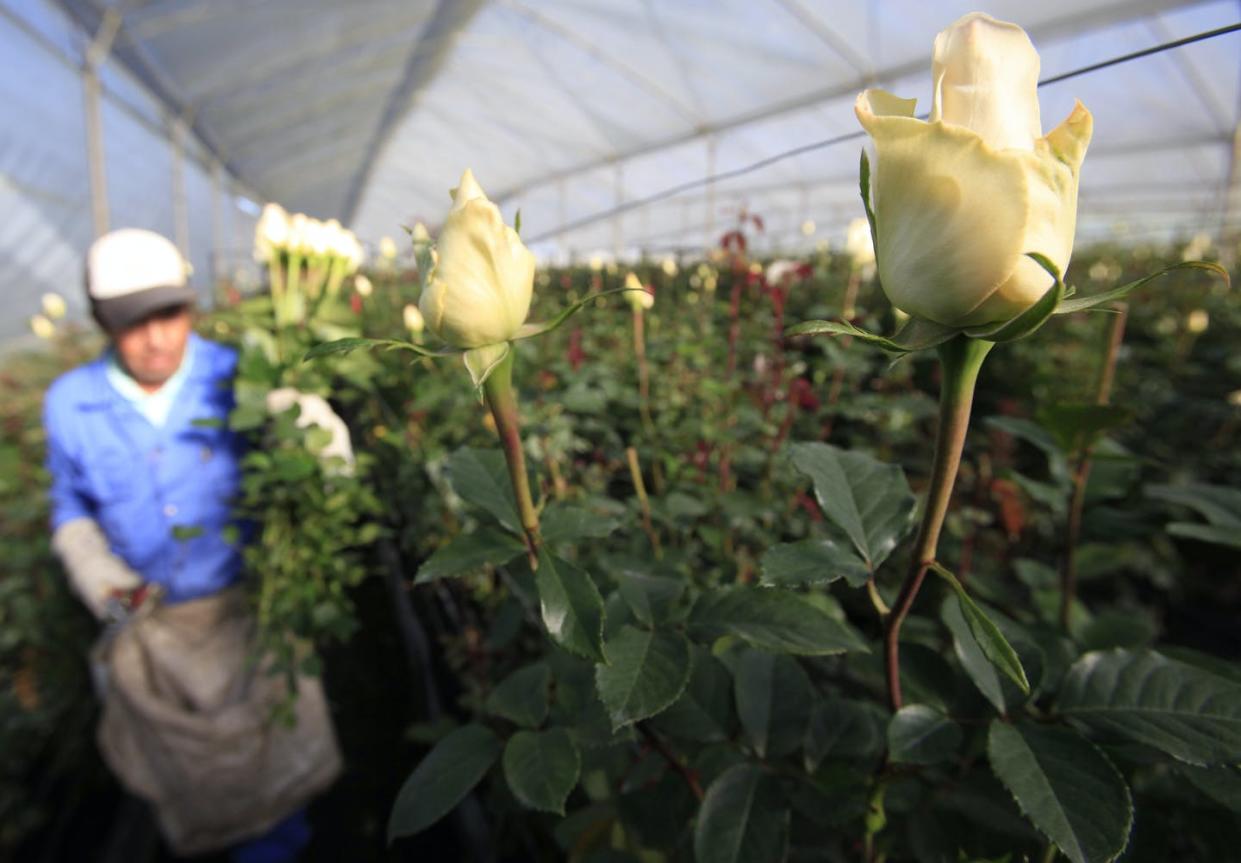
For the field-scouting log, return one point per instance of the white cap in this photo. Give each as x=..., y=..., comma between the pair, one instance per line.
x=131, y=273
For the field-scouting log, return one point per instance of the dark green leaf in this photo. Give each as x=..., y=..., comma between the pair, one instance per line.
x=658, y=814
x=563, y=523
x=1029, y=321
x=1131, y=629
x=469, y=553
x=866, y=498
x=773, y=619
x=345, y=346
x=995, y=687
x=864, y=189
x=522, y=697
x=1066, y=786
x=442, y=779
x=1222, y=784
x=844, y=729
x=704, y=712
x=987, y=635
x=841, y=328
x=1218, y=504
x=1191, y=714
x=571, y=606
x=480, y=476
x=918, y=734
x=541, y=768
x=1033, y=433
x=774, y=699
x=812, y=562
x=1077, y=426
x=1079, y=304
x=919, y=334
x=744, y=819
x=646, y=672
x=649, y=597
x=1214, y=534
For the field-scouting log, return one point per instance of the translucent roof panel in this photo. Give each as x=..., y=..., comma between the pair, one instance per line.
x=369, y=111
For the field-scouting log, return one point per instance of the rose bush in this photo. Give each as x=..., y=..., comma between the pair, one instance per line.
x=960, y=199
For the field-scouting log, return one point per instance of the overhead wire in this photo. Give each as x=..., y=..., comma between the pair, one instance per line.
x=732, y=173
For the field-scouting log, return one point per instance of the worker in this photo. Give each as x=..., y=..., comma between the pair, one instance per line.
x=144, y=471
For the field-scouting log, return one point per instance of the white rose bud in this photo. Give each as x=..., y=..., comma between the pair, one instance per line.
x=271, y=232
x=959, y=200
x=413, y=319
x=387, y=248
x=637, y=295
x=362, y=285
x=54, y=306
x=480, y=289
x=42, y=327
x=858, y=244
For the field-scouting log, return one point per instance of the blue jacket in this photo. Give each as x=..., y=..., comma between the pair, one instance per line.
x=140, y=483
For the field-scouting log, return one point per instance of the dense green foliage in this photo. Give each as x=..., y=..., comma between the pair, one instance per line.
x=693, y=671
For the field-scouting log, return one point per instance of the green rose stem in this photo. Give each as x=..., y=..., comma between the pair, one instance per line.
x=502, y=401
x=293, y=288
x=960, y=361
x=639, y=487
x=644, y=372
x=1081, y=474
x=276, y=277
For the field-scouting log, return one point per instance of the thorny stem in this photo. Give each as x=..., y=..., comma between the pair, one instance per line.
x=502, y=401
x=960, y=361
x=639, y=487
x=1081, y=473
x=690, y=776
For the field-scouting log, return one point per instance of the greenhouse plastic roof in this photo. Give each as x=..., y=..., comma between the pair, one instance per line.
x=368, y=111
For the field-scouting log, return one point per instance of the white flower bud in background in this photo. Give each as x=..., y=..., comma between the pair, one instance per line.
x=271, y=232
x=362, y=285
x=299, y=225
x=636, y=294
x=42, y=327
x=858, y=245
x=54, y=306
x=1197, y=248
x=1198, y=320
x=413, y=319
x=387, y=248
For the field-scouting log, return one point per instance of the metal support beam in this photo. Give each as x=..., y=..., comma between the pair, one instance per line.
x=217, y=226
x=180, y=212
x=710, y=197
x=426, y=58
x=96, y=55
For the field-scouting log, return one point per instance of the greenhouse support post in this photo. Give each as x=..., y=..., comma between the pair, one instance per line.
x=95, y=55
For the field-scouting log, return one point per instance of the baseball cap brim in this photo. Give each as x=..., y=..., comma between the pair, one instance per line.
x=118, y=313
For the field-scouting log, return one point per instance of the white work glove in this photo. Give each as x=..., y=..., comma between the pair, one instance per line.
x=317, y=412
x=97, y=575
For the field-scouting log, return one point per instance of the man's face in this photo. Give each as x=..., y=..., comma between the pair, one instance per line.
x=152, y=349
